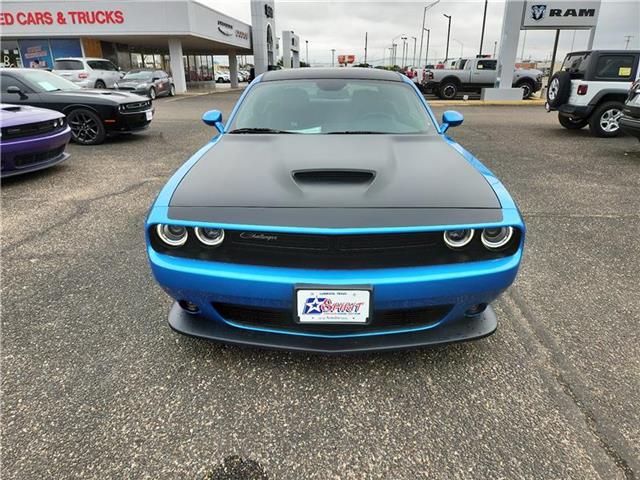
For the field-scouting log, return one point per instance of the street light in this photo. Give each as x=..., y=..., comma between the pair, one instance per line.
x=394, y=45
x=446, y=55
x=426, y=56
x=333, y=54
x=424, y=17
x=415, y=41
x=404, y=51
x=484, y=21
x=307, y=47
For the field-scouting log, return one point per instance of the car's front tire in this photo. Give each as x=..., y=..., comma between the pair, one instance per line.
x=527, y=89
x=86, y=127
x=572, y=123
x=172, y=90
x=604, y=119
x=100, y=84
x=152, y=93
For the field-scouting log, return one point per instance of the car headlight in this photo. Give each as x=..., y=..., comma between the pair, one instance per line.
x=495, y=238
x=458, y=238
x=172, y=235
x=209, y=236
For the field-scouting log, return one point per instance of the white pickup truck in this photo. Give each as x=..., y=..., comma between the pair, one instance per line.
x=474, y=74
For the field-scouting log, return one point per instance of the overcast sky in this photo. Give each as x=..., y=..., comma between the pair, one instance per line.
x=342, y=25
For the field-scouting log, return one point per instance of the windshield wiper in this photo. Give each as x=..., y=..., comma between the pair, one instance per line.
x=259, y=130
x=357, y=132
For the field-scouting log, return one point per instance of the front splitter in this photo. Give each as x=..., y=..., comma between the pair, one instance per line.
x=461, y=330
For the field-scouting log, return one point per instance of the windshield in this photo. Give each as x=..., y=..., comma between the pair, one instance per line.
x=332, y=106
x=44, y=81
x=144, y=75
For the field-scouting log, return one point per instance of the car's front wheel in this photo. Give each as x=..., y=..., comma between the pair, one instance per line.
x=172, y=90
x=100, y=84
x=604, y=119
x=86, y=127
x=152, y=93
x=572, y=123
x=527, y=89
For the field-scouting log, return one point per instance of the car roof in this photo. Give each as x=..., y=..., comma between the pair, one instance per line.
x=341, y=73
x=632, y=52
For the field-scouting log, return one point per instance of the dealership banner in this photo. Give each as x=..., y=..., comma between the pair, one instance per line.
x=94, y=18
x=574, y=14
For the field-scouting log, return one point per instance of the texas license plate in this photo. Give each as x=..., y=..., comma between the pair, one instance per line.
x=350, y=306
x=149, y=115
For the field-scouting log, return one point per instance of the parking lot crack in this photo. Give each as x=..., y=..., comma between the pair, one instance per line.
x=81, y=207
x=608, y=439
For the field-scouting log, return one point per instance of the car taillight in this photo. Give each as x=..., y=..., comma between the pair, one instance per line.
x=582, y=89
x=82, y=76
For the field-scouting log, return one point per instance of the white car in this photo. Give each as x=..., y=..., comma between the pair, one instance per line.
x=222, y=77
x=88, y=72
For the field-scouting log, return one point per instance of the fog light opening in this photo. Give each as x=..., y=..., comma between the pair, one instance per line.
x=188, y=306
x=475, y=310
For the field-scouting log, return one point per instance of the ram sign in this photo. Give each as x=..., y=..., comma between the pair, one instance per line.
x=573, y=14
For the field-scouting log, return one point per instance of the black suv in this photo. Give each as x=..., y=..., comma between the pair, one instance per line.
x=591, y=88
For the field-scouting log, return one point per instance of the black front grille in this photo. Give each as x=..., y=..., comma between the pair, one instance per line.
x=27, y=159
x=335, y=252
x=29, y=129
x=137, y=106
x=282, y=319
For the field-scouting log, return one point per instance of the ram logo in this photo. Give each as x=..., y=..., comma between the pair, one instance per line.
x=537, y=11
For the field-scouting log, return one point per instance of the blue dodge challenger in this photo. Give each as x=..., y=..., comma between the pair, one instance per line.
x=332, y=213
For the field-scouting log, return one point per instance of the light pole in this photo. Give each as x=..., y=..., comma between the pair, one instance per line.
x=495, y=47
x=306, y=42
x=415, y=41
x=426, y=57
x=395, y=47
x=404, y=52
x=424, y=17
x=333, y=55
x=461, y=46
x=484, y=21
x=446, y=55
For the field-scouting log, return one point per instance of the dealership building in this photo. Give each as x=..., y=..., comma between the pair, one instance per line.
x=179, y=36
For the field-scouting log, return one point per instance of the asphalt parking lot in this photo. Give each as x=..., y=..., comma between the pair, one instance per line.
x=96, y=385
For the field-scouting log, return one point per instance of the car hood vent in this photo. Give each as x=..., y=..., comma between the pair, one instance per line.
x=334, y=176
x=11, y=109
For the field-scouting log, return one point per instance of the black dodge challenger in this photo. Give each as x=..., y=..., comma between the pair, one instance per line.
x=332, y=213
x=91, y=114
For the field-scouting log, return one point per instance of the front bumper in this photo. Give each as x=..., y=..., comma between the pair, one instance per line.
x=127, y=122
x=458, y=285
x=29, y=154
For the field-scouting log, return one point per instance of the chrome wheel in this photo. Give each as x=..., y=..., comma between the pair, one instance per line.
x=84, y=127
x=609, y=120
x=554, y=87
x=152, y=93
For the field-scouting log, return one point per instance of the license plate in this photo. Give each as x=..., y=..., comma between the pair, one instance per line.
x=149, y=115
x=319, y=305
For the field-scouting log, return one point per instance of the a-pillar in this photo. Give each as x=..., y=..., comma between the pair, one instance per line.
x=233, y=70
x=177, y=65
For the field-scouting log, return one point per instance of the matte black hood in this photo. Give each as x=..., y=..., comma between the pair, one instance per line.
x=334, y=171
x=102, y=96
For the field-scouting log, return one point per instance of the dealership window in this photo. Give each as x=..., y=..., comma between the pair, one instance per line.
x=136, y=60
x=11, y=54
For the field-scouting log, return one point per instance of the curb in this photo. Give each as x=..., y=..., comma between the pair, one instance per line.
x=483, y=103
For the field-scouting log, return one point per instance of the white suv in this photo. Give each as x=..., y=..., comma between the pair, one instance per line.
x=591, y=88
x=88, y=72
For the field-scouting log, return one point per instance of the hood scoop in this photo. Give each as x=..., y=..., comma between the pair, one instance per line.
x=11, y=109
x=333, y=176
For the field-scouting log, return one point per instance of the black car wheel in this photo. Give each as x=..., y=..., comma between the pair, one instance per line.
x=572, y=123
x=448, y=91
x=86, y=127
x=604, y=119
x=152, y=93
x=100, y=84
x=559, y=89
x=172, y=90
x=527, y=89
x=220, y=80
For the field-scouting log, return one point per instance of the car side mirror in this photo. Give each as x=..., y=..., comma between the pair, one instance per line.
x=16, y=90
x=214, y=119
x=450, y=118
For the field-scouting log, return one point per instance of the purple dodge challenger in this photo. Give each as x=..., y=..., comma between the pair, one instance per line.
x=32, y=139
